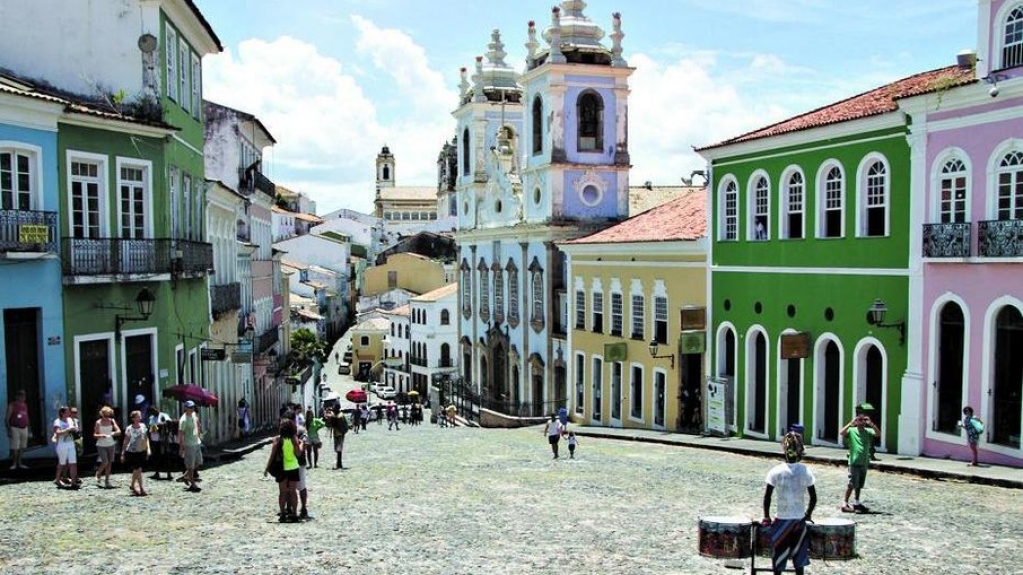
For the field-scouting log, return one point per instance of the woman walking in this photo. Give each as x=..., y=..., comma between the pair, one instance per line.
x=136, y=451
x=284, y=462
x=67, y=458
x=105, y=431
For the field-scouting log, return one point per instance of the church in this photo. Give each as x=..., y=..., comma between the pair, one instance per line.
x=541, y=157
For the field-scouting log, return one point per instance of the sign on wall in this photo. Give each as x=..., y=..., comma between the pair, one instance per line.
x=616, y=351
x=692, y=342
x=795, y=345
x=717, y=391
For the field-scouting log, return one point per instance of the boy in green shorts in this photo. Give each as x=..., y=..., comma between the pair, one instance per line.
x=859, y=435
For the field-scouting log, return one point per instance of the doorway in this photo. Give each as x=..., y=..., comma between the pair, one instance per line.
x=96, y=385
x=756, y=382
x=22, y=355
x=1008, y=379
x=790, y=393
x=949, y=385
x=829, y=392
x=690, y=403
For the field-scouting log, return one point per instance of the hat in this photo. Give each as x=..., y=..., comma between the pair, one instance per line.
x=139, y=399
x=797, y=427
x=189, y=404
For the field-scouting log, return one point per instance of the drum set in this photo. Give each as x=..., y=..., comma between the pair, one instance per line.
x=737, y=538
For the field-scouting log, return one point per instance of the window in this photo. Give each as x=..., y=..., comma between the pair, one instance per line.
x=132, y=198
x=636, y=393
x=616, y=390
x=17, y=180
x=364, y=340
x=597, y=378
x=874, y=200
x=513, y=294
x=1010, y=187
x=466, y=287
x=953, y=192
x=196, y=87
x=637, y=317
x=170, y=50
x=729, y=228
x=536, y=277
x=186, y=199
x=183, y=72
x=661, y=319
x=498, y=292
x=580, y=382
x=616, y=314
x=793, y=202
x=660, y=386
x=598, y=312
x=831, y=214
x=484, y=291
x=1012, y=48
x=580, y=309
x=760, y=224
x=590, y=111
x=445, y=317
x=86, y=184
x=465, y=152
x=175, y=205
x=537, y=119
x=392, y=279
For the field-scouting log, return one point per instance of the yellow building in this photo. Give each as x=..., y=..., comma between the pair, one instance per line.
x=368, y=347
x=631, y=286
x=408, y=271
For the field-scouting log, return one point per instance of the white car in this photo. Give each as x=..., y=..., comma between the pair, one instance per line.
x=384, y=391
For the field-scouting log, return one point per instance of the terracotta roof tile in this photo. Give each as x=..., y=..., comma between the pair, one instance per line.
x=871, y=103
x=643, y=198
x=681, y=219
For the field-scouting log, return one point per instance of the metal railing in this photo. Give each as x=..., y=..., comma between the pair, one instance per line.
x=1000, y=238
x=196, y=257
x=117, y=256
x=28, y=231
x=468, y=402
x=225, y=298
x=948, y=240
x=266, y=340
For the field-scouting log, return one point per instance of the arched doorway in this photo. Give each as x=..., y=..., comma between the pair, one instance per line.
x=500, y=376
x=829, y=390
x=726, y=371
x=871, y=381
x=790, y=391
x=756, y=383
x=949, y=384
x=1007, y=385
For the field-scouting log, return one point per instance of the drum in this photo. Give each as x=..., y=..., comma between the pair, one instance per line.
x=833, y=539
x=725, y=537
x=763, y=535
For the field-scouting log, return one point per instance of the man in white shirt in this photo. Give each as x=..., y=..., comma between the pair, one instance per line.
x=788, y=532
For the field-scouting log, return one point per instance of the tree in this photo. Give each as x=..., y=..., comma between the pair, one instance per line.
x=305, y=347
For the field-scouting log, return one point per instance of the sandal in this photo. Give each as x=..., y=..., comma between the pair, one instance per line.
x=846, y=508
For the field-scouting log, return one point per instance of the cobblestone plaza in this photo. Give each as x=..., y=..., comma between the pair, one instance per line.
x=459, y=501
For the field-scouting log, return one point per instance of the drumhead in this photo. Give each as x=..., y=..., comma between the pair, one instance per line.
x=726, y=520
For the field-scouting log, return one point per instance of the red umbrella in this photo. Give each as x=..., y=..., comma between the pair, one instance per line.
x=190, y=391
x=356, y=396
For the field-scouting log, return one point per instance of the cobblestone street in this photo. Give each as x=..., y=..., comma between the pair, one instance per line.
x=459, y=501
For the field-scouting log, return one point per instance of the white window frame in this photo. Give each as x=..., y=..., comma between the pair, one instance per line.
x=597, y=307
x=35, y=175
x=636, y=414
x=865, y=189
x=939, y=177
x=821, y=198
x=759, y=183
x=1002, y=40
x=171, y=62
x=597, y=386
x=580, y=382
x=103, y=181
x=147, y=191
x=658, y=315
x=637, y=314
x=1014, y=145
x=186, y=200
x=660, y=376
x=619, y=317
x=617, y=375
x=183, y=61
x=580, y=309
x=196, y=87
x=729, y=195
x=785, y=203
x=174, y=187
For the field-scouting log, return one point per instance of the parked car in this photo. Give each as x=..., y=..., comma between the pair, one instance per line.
x=344, y=369
x=384, y=391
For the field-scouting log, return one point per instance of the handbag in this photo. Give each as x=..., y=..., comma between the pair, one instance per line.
x=276, y=467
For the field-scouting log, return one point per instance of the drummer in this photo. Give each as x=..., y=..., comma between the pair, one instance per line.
x=788, y=531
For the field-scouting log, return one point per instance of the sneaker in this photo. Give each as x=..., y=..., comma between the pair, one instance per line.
x=860, y=508
x=304, y=514
x=846, y=508
x=282, y=517
x=194, y=488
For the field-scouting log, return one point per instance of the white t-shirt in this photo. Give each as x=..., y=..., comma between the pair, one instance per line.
x=790, y=481
x=554, y=428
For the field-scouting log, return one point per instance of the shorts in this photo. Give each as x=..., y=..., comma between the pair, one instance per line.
x=19, y=437
x=301, y=477
x=66, y=453
x=106, y=453
x=554, y=439
x=192, y=456
x=289, y=475
x=134, y=459
x=857, y=476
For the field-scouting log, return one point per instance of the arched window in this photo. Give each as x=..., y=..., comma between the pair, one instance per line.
x=1010, y=187
x=729, y=225
x=590, y=112
x=831, y=192
x=445, y=317
x=465, y=152
x=953, y=192
x=761, y=209
x=793, y=221
x=1012, y=46
x=874, y=200
x=537, y=125
x=386, y=173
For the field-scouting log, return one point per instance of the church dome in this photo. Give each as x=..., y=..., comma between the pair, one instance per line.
x=494, y=80
x=578, y=38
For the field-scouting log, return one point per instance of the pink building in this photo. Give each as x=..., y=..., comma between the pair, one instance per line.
x=967, y=276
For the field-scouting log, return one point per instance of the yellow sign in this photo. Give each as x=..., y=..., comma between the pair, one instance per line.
x=33, y=234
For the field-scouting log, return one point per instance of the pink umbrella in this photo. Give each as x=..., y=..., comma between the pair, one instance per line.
x=190, y=391
x=356, y=396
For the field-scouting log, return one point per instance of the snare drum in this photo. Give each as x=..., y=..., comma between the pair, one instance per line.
x=725, y=537
x=833, y=539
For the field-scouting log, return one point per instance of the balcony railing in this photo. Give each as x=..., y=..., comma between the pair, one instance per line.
x=250, y=179
x=419, y=361
x=1000, y=238
x=28, y=231
x=266, y=341
x=116, y=256
x=951, y=240
x=225, y=298
x=196, y=257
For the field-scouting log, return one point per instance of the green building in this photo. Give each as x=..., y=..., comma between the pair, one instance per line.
x=810, y=234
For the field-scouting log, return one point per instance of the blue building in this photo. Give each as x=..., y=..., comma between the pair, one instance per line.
x=31, y=312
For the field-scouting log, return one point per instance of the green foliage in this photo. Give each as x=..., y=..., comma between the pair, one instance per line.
x=305, y=347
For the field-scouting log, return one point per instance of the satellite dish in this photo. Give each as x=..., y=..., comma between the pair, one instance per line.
x=147, y=43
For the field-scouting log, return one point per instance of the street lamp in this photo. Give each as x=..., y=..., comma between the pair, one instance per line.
x=653, y=353
x=144, y=302
x=875, y=316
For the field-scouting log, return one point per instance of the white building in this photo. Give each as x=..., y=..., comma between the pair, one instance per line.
x=434, y=339
x=396, y=350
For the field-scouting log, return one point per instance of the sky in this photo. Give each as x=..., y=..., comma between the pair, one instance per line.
x=335, y=80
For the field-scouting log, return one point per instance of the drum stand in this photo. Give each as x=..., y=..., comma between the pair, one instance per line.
x=754, y=544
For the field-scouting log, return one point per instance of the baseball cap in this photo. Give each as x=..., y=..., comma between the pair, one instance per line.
x=797, y=427
x=189, y=404
x=140, y=399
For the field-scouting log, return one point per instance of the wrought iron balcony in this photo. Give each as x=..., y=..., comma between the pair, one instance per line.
x=266, y=340
x=951, y=240
x=251, y=178
x=445, y=362
x=225, y=298
x=1000, y=238
x=196, y=257
x=28, y=231
x=419, y=361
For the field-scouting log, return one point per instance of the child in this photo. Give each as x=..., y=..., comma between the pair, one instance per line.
x=572, y=442
x=974, y=427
